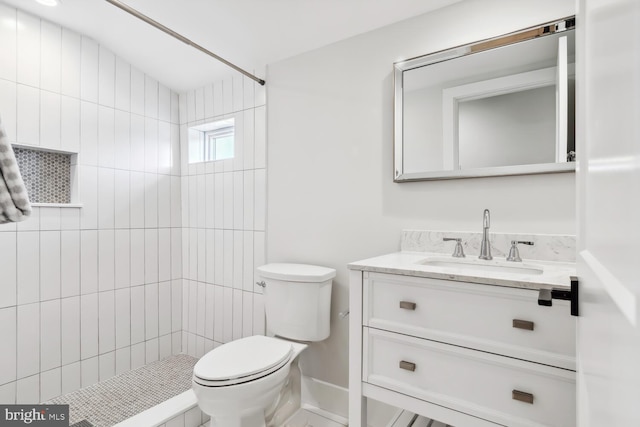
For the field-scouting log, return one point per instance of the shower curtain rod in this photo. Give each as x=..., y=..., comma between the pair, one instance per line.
x=182, y=38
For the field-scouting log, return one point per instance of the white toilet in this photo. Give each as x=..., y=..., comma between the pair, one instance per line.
x=255, y=381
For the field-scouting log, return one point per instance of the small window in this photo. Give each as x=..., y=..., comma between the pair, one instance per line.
x=212, y=141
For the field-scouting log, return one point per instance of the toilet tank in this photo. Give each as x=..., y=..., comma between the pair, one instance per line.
x=297, y=300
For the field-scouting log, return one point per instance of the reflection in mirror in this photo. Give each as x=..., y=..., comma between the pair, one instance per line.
x=498, y=107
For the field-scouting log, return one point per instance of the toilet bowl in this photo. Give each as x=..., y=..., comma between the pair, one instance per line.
x=255, y=381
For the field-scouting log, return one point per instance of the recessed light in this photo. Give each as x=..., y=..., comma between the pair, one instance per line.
x=49, y=2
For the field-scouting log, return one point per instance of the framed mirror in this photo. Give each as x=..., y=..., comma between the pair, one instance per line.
x=503, y=106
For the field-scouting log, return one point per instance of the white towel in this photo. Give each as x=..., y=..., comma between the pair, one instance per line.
x=14, y=200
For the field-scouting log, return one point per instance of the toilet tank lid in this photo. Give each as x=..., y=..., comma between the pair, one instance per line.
x=296, y=272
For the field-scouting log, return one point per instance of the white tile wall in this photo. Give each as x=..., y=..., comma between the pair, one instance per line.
x=80, y=299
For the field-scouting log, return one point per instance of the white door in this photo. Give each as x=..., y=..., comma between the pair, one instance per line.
x=608, y=181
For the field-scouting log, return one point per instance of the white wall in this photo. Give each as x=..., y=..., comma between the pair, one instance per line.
x=224, y=211
x=91, y=292
x=331, y=194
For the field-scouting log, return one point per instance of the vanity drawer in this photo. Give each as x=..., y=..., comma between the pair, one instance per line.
x=499, y=389
x=495, y=319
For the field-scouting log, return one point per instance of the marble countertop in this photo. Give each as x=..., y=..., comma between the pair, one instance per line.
x=540, y=274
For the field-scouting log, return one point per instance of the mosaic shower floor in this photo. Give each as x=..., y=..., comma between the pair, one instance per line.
x=109, y=402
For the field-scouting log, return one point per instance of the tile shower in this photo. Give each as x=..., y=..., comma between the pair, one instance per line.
x=159, y=259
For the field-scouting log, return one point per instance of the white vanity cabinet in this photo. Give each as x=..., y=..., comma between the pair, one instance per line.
x=466, y=354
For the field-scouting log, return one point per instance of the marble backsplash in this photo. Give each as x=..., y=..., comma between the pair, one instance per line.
x=546, y=247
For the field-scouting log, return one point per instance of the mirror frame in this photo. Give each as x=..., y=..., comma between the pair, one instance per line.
x=400, y=67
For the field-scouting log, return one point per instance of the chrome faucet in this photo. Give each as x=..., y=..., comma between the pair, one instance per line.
x=485, y=244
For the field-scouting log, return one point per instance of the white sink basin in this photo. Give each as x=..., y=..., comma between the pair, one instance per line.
x=496, y=266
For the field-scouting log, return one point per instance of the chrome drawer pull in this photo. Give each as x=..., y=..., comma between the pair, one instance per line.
x=522, y=396
x=408, y=305
x=408, y=366
x=523, y=324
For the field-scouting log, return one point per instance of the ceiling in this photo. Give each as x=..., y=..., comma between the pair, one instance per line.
x=248, y=33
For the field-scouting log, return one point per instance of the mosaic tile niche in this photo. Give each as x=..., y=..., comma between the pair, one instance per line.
x=46, y=174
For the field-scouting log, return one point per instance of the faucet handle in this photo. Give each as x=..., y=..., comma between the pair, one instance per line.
x=514, y=253
x=458, y=252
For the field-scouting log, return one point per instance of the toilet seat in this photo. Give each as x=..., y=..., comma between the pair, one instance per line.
x=242, y=361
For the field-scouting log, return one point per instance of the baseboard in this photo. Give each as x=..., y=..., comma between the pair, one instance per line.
x=325, y=396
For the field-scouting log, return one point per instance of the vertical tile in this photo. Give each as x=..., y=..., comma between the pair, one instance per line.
x=247, y=314
x=164, y=254
x=238, y=141
x=237, y=314
x=248, y=92
x=238, y=93
x=151, y=255
x=201, y=309
x=209, y=311
x=28, y=62
x=70, y=333
x=106, y=322
x=218, y=314
x=69, y=263
x=184, y=201
x=69, y=219
x=228, y=259
x=227, y=323
x=50, y=56
x=88, y=183
x=50, y=335
x=123, y=360
x=106, y=202
x=259, y=256
x=175, y=108
x=123, y=318
x=164, y=103
x=88, y=133
x=219, y=257
x=106, y=136
x=70, y=377
x=137, y=314
x=106, y=260
x=227, y=95
x=176, y=342
x=260, y=200
x=32, y=223
x=209, y=201
x=210, y=256
x=165, y=346
x=192, y=309
x=70, y=63
x=193, y=254
x=122, y=149
x=106, y=77
x=8, y=102
x=8, y=392
x=247, y=261
x=151, y=97
x=184, y=154
x=107, y=365
x=201, y=198
x=89, y=371
x=199, y=99
x=8, y=332
x=152, y=350
x=238, y=258
x=89, y=60
x=164, y=148
x=50, y=119
x=185, y=253
x=8, y=34
x=50, y=384
x=228, y=200
x=260, y=138
x=28, y=125
x=137, y=92
x=175, y=150
x=249, y=198
x=176, y=218
x=28, y=354
x=176, y=305
x=150, y=200
x=88, y=261
x=186, y=313
x=28, y=390
x=49, y=218
x=238, y=200
x=151, y=310
x=28, y=278
x=122, y=85
x=190, y=100
x=138, y=355
x=151, y=145
x=70, y=124
x=50, y=251
x=193, y=201
x=176, y=253
x=122, y=259
x=202, y=255
x=136, y=199
x=137, y=257
x=164, y=200
x=8, y=266
x=164, y=308
x=137, y=156
x=88, y=326
x=248, y=133
x=258, y=315
x=122, y=207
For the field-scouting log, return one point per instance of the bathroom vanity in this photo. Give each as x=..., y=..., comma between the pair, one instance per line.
x=464, y=341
